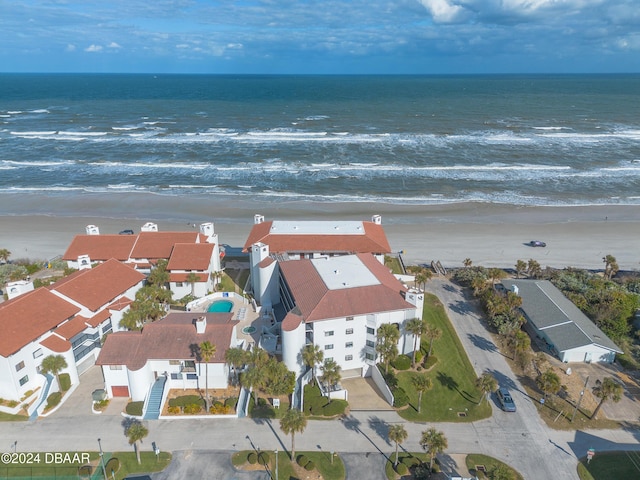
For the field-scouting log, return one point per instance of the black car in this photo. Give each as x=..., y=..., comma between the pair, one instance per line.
x=537, y=243
x=128, y=231
x=506, y=402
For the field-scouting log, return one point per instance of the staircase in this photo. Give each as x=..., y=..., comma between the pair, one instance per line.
x=155, y=399
x=43, y=398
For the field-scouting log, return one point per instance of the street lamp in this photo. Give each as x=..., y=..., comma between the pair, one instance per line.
x=276, y=464
x=580, y=399
x=104, y=470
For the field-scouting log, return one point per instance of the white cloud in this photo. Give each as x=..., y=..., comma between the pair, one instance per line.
x=93, y=48
x=70, y=48
x=445, y=11
x=113, y=45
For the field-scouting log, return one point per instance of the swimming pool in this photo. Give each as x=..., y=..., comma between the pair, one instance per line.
x=221, y=306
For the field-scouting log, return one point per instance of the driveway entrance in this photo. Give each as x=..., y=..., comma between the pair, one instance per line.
x=364, y=395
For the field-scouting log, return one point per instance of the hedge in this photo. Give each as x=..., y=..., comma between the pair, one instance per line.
x=135, y=408
x=334, y=407
x=65, y=381
x=252, y=458
x=401, y=469
x=53, y=400
x=401, y=362
x=302, y=460
x=231, y=402
x=310, y=466
x=263, y=458
x=400, y=397
x=185, y=400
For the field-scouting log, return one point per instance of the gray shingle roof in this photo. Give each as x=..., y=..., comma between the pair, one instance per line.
x=564, y=324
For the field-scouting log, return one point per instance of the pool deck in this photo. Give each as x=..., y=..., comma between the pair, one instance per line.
x=242, y=312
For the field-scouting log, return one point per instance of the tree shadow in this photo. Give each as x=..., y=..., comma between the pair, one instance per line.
x=380, y=427
x=353, y=424
x=482, y=343
x=449, y=382
x=461, y=307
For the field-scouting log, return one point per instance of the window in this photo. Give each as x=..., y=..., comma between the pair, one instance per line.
x=176, y=376
x=20, y=366
x=348, y=345
x=329, y=359
x=24, y=380
x=348, y=358
x=349, y=319
x=37, y=353
x=115, y=367
x=349, y=331
x=175, y=362
x=371, y=343
x=329, y=347
x=192, y=376
x=328, y=333
x=179, y=284
x=369, y=356
x=371, y=331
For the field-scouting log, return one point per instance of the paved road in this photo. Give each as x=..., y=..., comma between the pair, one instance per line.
x=520, y=439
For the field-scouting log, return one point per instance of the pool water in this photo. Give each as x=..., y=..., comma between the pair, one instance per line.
x=221, y=306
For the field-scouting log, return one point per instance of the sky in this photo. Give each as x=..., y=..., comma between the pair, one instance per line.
x=320, y=36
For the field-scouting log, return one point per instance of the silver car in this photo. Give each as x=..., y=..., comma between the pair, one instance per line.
x=505, y=399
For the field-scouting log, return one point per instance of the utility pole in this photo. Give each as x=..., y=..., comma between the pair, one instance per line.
x=580, y=399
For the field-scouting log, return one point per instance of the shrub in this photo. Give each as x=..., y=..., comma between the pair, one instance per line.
x=583, y=473
x=309, y=466
x=334, y=407
x=220, y=409
x=262, y=402
x=302, y=460
x=401, y=362
x=401, y=469
x=185, y=400
x=390, y=379
x=419, y=356
x=252, y=458
x=317, y=405
x=231, y=402
x=192, y=409
x=430, y=361
x=174, y=410
x=134, y=408
x=65, y=382
x=85, y=471
x=53, y=400
x=112, y=465
x=101, y=405
x=400, y=397
x=263, y=458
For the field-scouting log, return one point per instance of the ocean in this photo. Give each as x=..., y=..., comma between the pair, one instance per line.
x=539, y=140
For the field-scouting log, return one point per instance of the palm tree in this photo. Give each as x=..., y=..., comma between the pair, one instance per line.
x=433, y=442
x=421, y=383
x=252, y=378
x=159, y=275
x=54, y=364
x=192, y=278
x=519, y=342
x=330, y=374
x=549, y=382
x=496, y=274
x=467, y=262
x=312, y=355
x=607, y=389
x=4, y=254
x=207, y=351
x=293, y=422
x=397, y=434
x=521, y=267
x=235, y=358
x=388, y=336
x=432, y=333
x=416, y=327
x=486, y=383
x=136, y=431
x=610, y=266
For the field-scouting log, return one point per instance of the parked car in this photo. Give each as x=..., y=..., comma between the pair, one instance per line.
x=128, y=231
x=537, y=243
x=505, y=399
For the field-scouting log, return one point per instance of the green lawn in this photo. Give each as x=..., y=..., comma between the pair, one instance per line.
x=329, y=470
x=453, y=377
x=44, y=466
x=474, y=460
x=607, y=465
x=6, y=417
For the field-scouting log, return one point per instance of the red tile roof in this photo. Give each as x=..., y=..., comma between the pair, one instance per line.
x=73, y=327
x=191, y=256
x=317, y=302
x=182, y=277
x=101, y=247
x=100, y=317
x=120, y=304
x=56, y=344
x=172, y=338
x=374, y=240
x=29, y=316
x=154, y=245
x=100, y=285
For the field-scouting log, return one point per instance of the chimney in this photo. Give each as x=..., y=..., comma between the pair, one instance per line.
x=514, y=289
x=92, y=230
x=207, y=229
x=149, y=227
x=377, y=219
x=201, y=324
x=84, y=262
x=257, y=218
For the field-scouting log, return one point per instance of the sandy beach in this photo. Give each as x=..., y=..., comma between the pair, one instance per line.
x=490, y=235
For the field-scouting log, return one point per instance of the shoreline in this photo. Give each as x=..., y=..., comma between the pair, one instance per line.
x=491, y=235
